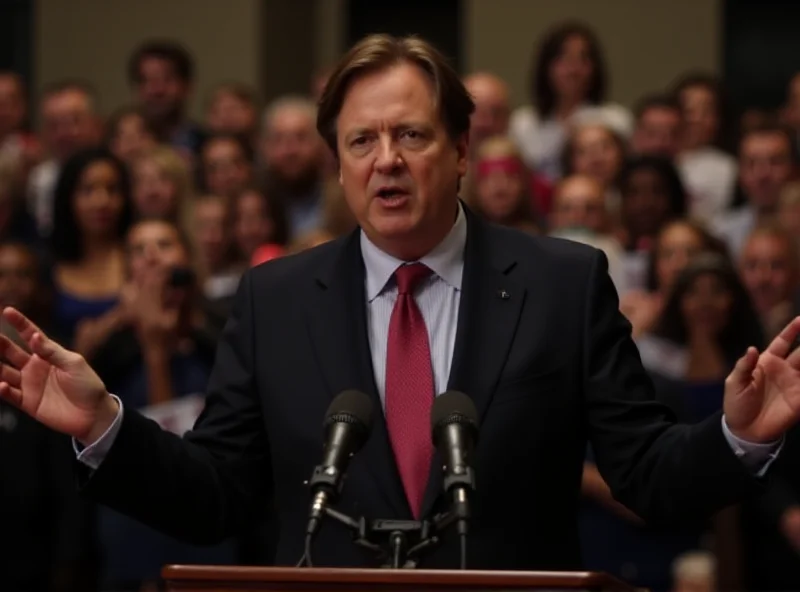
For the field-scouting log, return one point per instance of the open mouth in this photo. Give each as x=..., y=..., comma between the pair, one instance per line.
x=392, y=197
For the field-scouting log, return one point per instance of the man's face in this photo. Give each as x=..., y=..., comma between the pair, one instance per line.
x=68, y=123
x=579, y=203
x=292, y=147
x=765, y=165
x=160, y=91
x=767, y=271
x=492, y=110
x=398, y=166
x=12, y=105
x=657, y=132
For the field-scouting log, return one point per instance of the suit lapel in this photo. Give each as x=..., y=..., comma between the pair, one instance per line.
x=491, y=302
x=338, y=331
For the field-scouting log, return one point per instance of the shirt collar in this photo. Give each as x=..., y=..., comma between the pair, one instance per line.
x=446, y=260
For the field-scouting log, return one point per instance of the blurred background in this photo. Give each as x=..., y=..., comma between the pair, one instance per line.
x=152, y=151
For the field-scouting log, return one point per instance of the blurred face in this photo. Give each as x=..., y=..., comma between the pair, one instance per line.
x=596, y=154
x=68, y=124
x=492, y=109
x=131, y=138
x=789, y=217
x=706, y=305
x=765, y=165
x=253, y=225
x=293, y=149
x=154, y=193
x=579, y=203
x=98, y=200
x=18, y=282
x=701, y=116
x=228, y=114
x=12, y=105
x=154, y=249
x=398, y=166
x=571, y=72
x=500, y=188
x=676, y=246
x=645, y=203
x=657, y=132
x=766, y=268
x=211, y=233
x=160, y=91
x=227, y=171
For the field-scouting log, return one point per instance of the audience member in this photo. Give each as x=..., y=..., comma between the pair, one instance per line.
x=129, y=135
x=658, y=127
x=568, y=80
x=708, y=171
x=232, y=110
x=220, y=263
x=492, y=108
x=768, y=267
x=161, y=74
x=256, y=222
x=69, y=124
x=226, y=166
x=159, y=364
x=162, y=187
x=15, y=140
x=293, y=155
x=766, y=164
x=502, y=185
x=93, y=209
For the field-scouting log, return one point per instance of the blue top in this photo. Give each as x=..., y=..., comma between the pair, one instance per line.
x=69, y=310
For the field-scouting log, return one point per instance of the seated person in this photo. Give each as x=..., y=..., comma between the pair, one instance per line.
x=158, y=364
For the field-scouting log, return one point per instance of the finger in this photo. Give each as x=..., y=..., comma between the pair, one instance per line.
x=794, y=358
x=10, y=394
x=24, y=326
x=12, y=352
x=781, y=345
x=742, y=373
x=10, y=375
x=49, y=350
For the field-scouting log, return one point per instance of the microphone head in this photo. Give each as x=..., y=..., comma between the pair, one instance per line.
x=453, y=407
x=354, y=408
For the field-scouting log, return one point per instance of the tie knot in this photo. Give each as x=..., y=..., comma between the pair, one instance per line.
x=409, y=276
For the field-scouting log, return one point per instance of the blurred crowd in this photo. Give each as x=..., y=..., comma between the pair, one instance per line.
x=125, y=237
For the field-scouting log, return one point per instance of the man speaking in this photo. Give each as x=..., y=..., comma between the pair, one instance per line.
x=423, y=298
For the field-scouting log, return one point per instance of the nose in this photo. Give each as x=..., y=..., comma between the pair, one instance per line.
x=388, y=158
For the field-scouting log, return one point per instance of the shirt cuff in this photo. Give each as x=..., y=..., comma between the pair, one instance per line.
x=756, y=457
x=95, y=453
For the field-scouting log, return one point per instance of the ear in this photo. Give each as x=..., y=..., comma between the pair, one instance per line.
x=462, y=151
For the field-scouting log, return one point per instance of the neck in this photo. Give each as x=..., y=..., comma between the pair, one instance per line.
x=412, y=250
x=99, y=249
x=566, y=107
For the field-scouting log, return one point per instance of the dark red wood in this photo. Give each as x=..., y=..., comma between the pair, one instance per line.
x=188, y=578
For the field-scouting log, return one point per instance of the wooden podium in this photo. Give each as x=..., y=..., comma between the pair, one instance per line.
x=188, y=578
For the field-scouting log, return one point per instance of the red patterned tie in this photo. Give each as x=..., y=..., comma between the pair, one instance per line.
x=410, y=386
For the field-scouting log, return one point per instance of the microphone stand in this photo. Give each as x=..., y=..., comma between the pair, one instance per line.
x=399, y=544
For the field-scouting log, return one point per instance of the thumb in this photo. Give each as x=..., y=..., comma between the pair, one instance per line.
x=742, y=374
x=50, y=351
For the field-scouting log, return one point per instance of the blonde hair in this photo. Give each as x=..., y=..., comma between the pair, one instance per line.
x=174, y=167
x=498, y=147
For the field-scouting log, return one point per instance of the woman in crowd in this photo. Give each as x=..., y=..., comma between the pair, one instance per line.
x=257, y=221
x=162, y=186
x=502, y=187
x=705, y=166
x=678, y=243
x=568, y=82
x=129, y=135
x=158, y=364
x=92, y=213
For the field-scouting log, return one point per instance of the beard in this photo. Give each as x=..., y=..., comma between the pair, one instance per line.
x=288, y=186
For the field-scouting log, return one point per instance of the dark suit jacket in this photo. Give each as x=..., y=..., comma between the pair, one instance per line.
x=548, y=366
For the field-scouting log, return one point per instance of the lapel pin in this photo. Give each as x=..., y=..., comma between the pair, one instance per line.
x=503, y=294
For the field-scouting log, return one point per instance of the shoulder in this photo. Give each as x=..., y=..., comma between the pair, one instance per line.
x=523, y=119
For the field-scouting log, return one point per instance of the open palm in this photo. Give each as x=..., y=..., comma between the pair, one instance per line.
x=53, y=385
x=762, y=394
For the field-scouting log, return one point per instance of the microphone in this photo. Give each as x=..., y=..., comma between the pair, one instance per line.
x=454, y=424
x=347, y=425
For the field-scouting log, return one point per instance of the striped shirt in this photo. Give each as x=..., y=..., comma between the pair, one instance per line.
x=437, y=297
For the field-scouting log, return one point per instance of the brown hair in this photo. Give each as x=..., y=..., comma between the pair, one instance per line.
x=378, y=52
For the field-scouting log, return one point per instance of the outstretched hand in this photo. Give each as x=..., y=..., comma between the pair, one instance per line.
x=53, y=385
x=762, y=393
